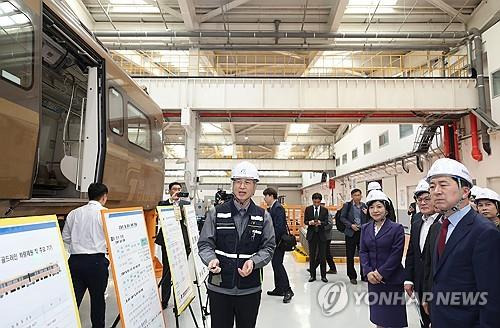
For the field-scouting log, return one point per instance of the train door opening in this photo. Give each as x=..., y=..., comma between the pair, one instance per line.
x=70, y=120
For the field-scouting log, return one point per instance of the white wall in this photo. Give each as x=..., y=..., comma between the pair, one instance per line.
x=361, y=134
x=321, y=188
x=491, y=39
x=310, y=178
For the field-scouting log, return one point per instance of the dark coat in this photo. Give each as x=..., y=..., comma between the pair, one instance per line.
x=313, y=231
x=384, y=251
x=347, y=217
x=278, y=215
x=414, y=262
x=470, y=263
x=159, y=237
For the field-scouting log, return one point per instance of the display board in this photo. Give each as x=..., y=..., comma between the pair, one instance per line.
x=192, y=227
x=132, y=266
x=36, y=290
x=177, y=258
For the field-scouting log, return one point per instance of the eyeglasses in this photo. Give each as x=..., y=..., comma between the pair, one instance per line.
x=245, y=182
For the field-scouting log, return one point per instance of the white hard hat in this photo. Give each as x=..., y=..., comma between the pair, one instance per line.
x=376, y=195
x=449, y=167
x=374, y=185
x=475, y=190
x=486, y=193
x=422, y=187
x=245, y=170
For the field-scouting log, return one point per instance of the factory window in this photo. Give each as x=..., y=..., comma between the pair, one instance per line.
x=115, y=111
x=344, y=159
x=17, y=39
x=405, y=130
x=496, y=83
x=383, y=139
x=354, y=153
x=337, y=161
x=138, y=127
x=367, y=147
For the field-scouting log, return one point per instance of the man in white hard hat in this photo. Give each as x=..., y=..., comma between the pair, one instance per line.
x=474, y=191
x=466, y=255
x=236, y=242
x=374, y=185
x=414, y=262
x=488, y=204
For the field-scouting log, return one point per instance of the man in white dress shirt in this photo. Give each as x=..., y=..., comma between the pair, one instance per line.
x=84, y=235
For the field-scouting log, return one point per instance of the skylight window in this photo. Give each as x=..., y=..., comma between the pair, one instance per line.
x=284, y=150
x=211, y=128
x=298, y=128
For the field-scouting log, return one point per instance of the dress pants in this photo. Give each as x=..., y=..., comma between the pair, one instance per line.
x=281, y=282
x=90, y=271
x=329, y=257
x=317, y=245
x=425, y=318
x=166, y=285
x=351, y=243
x=226, y=309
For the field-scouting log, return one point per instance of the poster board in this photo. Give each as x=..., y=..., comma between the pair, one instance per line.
x=170, y=217
x=192, y=227
x=36, y=290
x=132, y=266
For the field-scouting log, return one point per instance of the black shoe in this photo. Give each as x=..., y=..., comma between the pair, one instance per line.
x=323, y=279
x=331, y=271
x=312, y=279
x=354, y=281
x=275, y=293
x=288, y=296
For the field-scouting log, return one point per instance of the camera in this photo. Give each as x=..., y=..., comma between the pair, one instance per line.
x=183, y=194
x=221, y=196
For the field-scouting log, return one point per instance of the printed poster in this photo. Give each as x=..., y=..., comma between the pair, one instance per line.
x=132, y=266
x=177, y=258
x=192, y=227
x=36, y=290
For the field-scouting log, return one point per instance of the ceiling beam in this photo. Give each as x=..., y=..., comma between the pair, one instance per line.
x=486, y=14
x=449, y=10
x=336, y=14
x=323, y=129
x=233, y=132
x=188, y=12
x=82, y=13
x=218, y=11
x=248, y=129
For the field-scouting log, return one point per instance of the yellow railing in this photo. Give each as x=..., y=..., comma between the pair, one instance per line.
x=283, y=64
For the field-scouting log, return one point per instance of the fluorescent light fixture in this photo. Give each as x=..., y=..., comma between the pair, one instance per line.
x=180, y=138
x=296, y=128
x=211, y=128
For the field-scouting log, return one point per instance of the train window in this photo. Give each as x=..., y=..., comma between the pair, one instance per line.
x=16, y=37
x=115, y=111
x=138, y=127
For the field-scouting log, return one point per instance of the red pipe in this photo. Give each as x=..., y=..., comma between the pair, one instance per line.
x=455, y=141
x=446, y=140
x=476, y=151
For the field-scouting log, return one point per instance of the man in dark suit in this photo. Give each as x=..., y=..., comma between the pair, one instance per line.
x=328, y=252
x=466, y=263
x=353, y=216
x=278, y=215
x=174, y=189
x=316, y=218
x=414, y=262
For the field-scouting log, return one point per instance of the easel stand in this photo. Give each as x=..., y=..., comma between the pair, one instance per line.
x=175, y=309
x=203, y=308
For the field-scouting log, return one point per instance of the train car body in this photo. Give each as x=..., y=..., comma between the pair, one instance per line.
x=70, y=116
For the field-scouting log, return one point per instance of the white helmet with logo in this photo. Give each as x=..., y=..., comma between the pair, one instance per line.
x=376, y=195
x=245, y=170
x=449, y=167
x=422, y=187
x=486, y=193
x=475, y=190
x=374, y=185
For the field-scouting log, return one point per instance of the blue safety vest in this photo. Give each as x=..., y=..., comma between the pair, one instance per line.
x=232, y=251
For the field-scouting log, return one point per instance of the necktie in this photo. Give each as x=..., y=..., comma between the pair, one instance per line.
x=316, y=214
x=442, y=236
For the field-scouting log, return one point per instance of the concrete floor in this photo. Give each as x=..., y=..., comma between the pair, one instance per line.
x=304, y=311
